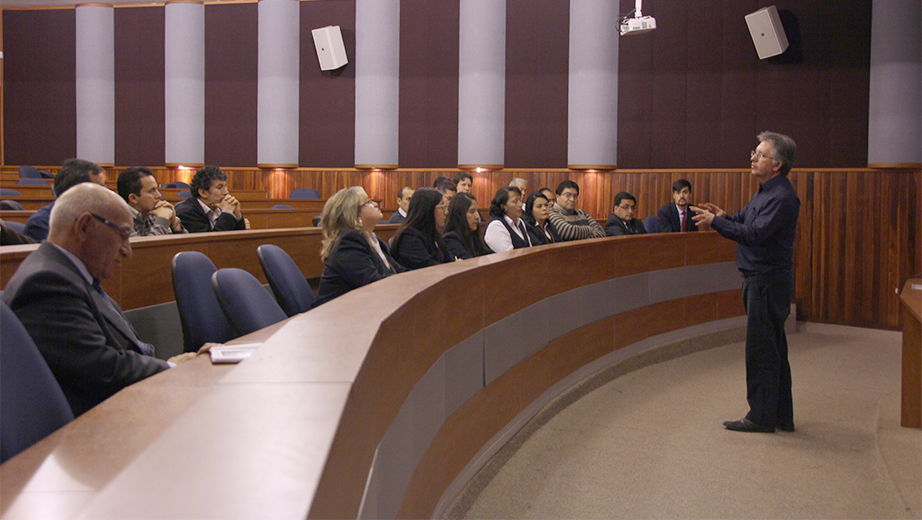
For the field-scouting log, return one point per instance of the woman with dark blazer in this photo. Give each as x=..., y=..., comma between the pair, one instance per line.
x=418, y=242
x=352, y=254
x=506, y=230
x=462, y=230
x=540, y=229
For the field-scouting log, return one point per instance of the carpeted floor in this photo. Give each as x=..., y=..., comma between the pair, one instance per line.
x=650, y=444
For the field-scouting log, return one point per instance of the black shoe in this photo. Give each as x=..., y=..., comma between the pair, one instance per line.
x=745, y=425
x=786, y=427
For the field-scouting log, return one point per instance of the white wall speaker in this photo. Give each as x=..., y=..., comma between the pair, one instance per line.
x=330, y=49
x=767, y=32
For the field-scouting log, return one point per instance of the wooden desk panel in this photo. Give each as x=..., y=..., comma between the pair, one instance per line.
x=911, y=317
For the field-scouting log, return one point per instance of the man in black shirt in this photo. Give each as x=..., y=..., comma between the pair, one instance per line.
x=764, y=232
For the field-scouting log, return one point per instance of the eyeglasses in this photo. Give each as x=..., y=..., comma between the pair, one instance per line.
x=760, y=155
x=628, y=208
x=441, y=207
x=566, y=195
x=125, y=233
x=369, y=201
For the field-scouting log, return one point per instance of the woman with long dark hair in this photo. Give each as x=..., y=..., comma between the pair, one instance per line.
x=462, y=230
x=418, y=242
x=506, y=230
x=537, y=210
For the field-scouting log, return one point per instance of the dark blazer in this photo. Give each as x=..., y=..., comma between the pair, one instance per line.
x=37, y=224
x=414, y=251
x=615, y=227
x=91, y=351
x=668, y=219
x=352, y=263
x=195, y=220
x=396, y=218
x=456, y=246
x=538, y=237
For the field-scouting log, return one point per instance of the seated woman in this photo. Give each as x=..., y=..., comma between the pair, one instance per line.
x=506, y=230
x=418, y=242
x=462, y=231
x=353, y=255
x=540, y=229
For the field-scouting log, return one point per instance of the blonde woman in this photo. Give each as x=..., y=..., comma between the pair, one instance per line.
x=352, y=254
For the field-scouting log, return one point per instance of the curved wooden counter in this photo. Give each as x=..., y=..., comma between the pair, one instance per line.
x=373, y=404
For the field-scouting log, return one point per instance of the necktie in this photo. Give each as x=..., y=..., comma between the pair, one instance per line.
x=146, y=348
x=684, y=222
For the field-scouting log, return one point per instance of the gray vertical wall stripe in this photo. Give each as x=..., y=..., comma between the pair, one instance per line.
x=482, y=82
x=184, y=63
x=279, y=74
x=592, y=136
x=456, y=376
x=895, y=104
x=377, y=81
x=95, y=86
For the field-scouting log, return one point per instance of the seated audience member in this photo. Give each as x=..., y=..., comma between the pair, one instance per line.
x=352, y=254
x=572, y=223
x=522, y=185
x=418, y=242
x=506, y=230
x=622, y=221
x=446, y=187
x=211, y=207
x=464, y=182
x=11, y=237
x=90, y=347
x=676, y=216
x=73, y=172
x=151, y=214
x=462, y=230
x=403, y=203
x=551, y=198
x=540, y=229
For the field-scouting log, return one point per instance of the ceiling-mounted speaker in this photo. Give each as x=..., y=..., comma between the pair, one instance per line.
x=767, y=32
x=330, y=48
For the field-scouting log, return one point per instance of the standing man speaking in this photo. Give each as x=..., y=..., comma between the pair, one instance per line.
x=764, y=232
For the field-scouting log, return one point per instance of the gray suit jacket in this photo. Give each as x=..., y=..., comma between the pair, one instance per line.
x=91, y=351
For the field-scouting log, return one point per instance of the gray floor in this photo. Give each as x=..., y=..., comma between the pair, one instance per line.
x=650, y=444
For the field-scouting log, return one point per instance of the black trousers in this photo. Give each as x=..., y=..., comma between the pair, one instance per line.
x=767, y=298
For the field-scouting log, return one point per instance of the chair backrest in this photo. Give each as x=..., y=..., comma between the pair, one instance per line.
x=18, y=227
x=29, y=172
x=30, y=181
x=304, y=193
x=46, y=175
x=282, y=206
x=184, y=194
x=292, y=292
x=200, y=313
x=245, y=301
x=651, y=224
x=11, y=205
x=32, y=404
x=176, y=184
x=9, y=192
x=316, y=220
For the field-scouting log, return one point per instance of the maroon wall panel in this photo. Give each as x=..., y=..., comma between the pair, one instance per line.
x=429, y=83
x=537, y=74
x=40, y=106
x=231, y=52
x=139, y=86
x=327, y=117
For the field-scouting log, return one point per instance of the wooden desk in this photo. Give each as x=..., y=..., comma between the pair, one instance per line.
x=372, y=404
x=910, y=316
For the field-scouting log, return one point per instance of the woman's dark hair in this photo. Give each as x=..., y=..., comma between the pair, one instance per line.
x=497, y=205
x=457, y=222
x=530, y=206
x=421, y=217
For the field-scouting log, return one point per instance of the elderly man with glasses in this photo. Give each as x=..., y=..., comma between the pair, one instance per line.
x=90, y=347
x=572, y=223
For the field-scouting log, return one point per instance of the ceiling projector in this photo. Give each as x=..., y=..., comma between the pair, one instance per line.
x=639, y=24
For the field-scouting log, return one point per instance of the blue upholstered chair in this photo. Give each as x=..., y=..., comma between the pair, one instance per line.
x=245, y=301
x=18, y=227
x=282, y=206
x=304, y=193
x=29, y=172
x=176, y=184
x=292, y=292
x=31, y=181
x=32, y=404
x=651, y=224
x=8, y=192
x=184, y=194
x=200, y=313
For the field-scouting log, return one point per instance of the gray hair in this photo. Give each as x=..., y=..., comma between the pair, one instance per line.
x=784, y=146
x=515, y=182
x=83, y=198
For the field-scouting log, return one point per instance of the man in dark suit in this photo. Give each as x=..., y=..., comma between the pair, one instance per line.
x=90, y=347
x=622, y=221
x=676, y=216
x=211, y=207
x=403, y=205
x=72, y=173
